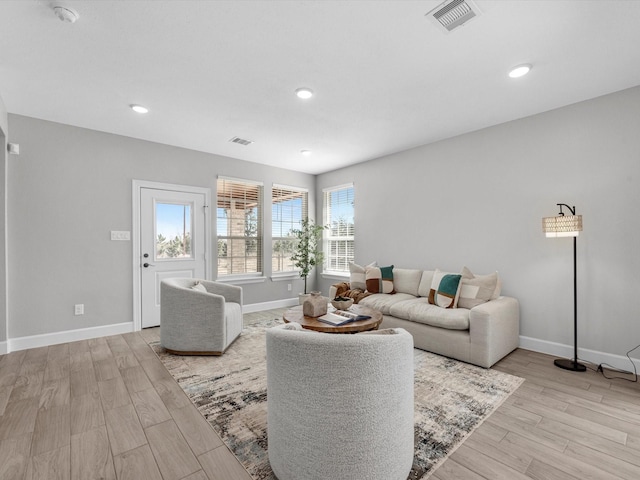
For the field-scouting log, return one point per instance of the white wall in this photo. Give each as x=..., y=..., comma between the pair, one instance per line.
x=474, y=200
x=3, y=226
x=4, y=121
x=67, y=190
x=478, y=200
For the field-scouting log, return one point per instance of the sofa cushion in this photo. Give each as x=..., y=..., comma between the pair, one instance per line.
x=357, y=279
x=419, y=310
x=445, y=289
x=384, y=301
x=379, y=279
x=498, y=290
x=476, y=289
x=406, y=280
x=199, y=287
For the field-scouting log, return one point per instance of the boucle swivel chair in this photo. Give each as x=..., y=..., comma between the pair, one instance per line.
x=199, y=317
x=339, y=406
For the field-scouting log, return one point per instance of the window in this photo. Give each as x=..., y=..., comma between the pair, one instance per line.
x=289, y=205
x=173, y=228
x=239, y=227
x=340, y=237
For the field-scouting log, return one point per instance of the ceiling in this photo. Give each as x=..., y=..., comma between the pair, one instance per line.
x=385, y=77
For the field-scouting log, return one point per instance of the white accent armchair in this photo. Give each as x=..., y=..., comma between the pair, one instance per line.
x=339, y=406
x=199, y=321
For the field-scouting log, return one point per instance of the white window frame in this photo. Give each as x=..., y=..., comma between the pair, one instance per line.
x=243, y=277
x=304, y=214
x=330, y=235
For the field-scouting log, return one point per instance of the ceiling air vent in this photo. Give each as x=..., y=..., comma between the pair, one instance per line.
x=241, y=141
x=453, y=13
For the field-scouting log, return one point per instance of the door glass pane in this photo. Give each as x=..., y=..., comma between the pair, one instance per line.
x=173, y=230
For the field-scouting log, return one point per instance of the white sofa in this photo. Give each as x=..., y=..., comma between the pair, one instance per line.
x=481, y=335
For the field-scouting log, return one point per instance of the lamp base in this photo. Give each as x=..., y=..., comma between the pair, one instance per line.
x=567, y=364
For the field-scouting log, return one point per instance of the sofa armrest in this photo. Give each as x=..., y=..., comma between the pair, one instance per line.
x=495, y=325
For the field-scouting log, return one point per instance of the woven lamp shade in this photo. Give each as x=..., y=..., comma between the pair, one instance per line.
x=562, y=226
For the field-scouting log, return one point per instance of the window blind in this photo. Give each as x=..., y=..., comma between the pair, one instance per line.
x=339, y=209
x=289, y=206
x=239, y=226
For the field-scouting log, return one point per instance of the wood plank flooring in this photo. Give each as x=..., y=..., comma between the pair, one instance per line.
x=108, y=409
x=103, y=409
x=557, y=425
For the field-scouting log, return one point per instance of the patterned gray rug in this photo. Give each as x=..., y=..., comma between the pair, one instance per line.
x=451, y=399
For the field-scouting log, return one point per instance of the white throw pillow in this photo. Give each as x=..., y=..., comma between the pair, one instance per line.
x=199, y=287
x=478, y=289
x=357, y=277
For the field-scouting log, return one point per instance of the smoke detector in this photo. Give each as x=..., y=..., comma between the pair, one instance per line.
x=452, y=14
x=66, y=14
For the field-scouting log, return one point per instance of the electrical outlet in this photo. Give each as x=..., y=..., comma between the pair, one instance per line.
x=79, y=309
x=288, y=286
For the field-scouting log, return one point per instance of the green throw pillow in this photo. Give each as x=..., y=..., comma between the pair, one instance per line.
x=445, y=289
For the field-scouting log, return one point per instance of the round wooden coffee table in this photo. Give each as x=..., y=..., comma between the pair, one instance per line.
x=311, y=323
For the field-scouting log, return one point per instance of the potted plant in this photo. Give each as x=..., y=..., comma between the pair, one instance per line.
x=308, y=250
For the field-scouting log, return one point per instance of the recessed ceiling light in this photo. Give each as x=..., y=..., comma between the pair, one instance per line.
x=520, y=71
x=65, y=14
x=306, y=153
x=304, y=93
x=139, y=109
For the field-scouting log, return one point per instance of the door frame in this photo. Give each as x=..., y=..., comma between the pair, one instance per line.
x=137, y=186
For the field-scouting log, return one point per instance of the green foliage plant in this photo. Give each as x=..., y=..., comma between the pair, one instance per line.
x=307, y=252
x=178, y=247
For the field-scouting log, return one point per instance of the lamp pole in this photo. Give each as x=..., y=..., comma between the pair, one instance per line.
x=564, y=363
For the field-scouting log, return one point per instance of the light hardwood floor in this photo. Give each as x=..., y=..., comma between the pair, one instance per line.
x=103, y=409
x=557, y=425
x=108, y=409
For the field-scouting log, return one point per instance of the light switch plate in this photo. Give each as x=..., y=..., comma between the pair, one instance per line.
x=118, y=235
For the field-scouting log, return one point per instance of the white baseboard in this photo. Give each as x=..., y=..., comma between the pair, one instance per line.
x=258, y=307
x=34, y=341
x=566, y=351
x=543, y=346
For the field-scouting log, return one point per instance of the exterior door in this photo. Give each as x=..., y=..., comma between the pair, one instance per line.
x=172, y=243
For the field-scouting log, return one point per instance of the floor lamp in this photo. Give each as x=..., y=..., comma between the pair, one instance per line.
x=568, y=226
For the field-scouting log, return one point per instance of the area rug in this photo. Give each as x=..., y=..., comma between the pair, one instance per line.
x=451, y=399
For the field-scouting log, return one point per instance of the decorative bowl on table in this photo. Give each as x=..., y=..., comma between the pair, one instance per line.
x=342, y=303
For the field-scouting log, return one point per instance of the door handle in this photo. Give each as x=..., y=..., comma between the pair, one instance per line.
x=147, y=265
